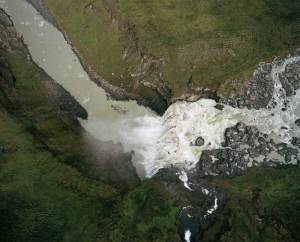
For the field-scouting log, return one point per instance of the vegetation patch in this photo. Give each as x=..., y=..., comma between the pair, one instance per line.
x=191, y=43
x=261, y=205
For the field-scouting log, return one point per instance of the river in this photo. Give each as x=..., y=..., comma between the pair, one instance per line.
x=156, y=141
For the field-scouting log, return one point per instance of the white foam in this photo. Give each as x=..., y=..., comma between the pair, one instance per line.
x=213, y=208
x=187, y=236
x=41, y=23
x=184, y=178
x=205, y=191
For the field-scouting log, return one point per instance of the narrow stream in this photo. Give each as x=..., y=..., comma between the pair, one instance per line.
x=156, y=141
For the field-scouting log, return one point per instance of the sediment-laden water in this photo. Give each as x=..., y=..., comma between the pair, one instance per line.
x=136, y=127
x=156, y=141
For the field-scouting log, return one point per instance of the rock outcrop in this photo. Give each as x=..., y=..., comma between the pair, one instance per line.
x=290, y=79
x=245, y=147
x=259, y=91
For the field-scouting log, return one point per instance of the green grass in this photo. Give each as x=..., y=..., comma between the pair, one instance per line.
x=43, y=199
x=208, y=42
x=36, y=201
x=50, y=189
x=146, y=215
x=262, y=205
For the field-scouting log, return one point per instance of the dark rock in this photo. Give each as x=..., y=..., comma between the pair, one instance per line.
x=244, y=147
x=241, y=127
x=287, y=152
x=5, y=20
x=297, y=122
x=219, y=106
x=199, y=141
x=258, y=93
x=63, y=99
x=194, y=203
x=297, y=52
x=296, y=141
x=290, y=78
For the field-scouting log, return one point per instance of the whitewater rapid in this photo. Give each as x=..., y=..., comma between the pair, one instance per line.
x=156, y=141
x=184, y=122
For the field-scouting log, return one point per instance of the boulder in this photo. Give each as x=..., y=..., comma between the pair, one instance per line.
x=199, y=141
x=219, y=106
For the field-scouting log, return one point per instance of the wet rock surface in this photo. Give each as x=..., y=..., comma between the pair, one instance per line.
x=259, y=91
x=199, y=141
x=219, y=106
x=244, y=147
x=257, y=94
x=290, y=79
x=296, y=141
x=197, y=199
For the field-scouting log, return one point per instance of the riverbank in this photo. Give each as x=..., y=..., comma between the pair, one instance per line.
x=187, y=59
x=157, y=101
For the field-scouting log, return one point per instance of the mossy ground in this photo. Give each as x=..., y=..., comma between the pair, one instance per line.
x=49, y=188
x=263, y=205
x=205, y=42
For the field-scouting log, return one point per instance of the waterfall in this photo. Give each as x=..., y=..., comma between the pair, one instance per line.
x=156, y=141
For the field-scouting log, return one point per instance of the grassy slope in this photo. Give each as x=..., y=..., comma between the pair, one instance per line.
x=263, y=205
x=210, y=41
x=48, y=190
